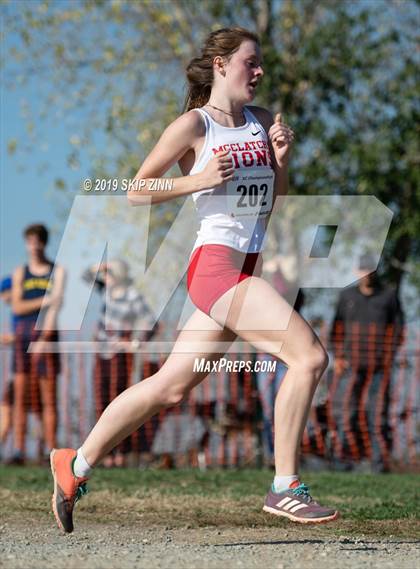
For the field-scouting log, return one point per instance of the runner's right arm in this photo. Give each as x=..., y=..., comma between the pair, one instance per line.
x=178, y=138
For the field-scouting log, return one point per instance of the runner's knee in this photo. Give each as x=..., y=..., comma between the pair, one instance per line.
x=173, y=397
x=313, y=361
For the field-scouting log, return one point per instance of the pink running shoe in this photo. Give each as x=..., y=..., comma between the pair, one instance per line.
x=297, y=504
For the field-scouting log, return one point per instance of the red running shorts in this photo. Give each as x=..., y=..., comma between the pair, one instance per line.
x=214, y=269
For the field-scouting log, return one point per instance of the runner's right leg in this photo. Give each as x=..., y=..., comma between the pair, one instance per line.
x=166, y=388
x=127, y=412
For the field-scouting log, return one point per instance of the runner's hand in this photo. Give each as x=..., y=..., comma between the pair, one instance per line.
x=281, y=137
x=218, y=170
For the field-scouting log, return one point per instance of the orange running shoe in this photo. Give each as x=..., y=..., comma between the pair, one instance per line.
x=68, y=488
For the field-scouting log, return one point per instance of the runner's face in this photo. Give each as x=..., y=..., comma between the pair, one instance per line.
x=244, y=71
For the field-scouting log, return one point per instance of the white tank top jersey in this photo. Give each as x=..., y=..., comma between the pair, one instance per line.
x=234, y=213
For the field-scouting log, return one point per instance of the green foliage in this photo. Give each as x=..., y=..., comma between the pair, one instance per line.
x=342, y=73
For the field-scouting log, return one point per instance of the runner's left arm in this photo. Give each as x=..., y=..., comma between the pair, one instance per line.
x=279, y=161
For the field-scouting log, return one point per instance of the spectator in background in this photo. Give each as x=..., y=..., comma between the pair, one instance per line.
x=37, y=294
x=366, y=331
x=33, y=404
x=125, y=318
x=6, y=339
x=179, y=438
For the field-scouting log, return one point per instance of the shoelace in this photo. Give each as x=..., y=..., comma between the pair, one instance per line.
x=302, y=490
x=82, y=490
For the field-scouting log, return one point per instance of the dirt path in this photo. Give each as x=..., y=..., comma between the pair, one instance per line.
x=111, y=545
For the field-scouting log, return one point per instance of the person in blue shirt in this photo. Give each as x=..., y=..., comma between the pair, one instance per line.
x=37, y=292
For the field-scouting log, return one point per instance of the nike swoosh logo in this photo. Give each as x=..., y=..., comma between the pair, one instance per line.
x=255, y=133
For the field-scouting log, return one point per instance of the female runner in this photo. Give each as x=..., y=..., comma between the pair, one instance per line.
x=234, y=160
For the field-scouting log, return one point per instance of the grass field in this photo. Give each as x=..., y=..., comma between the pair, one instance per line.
x=185, y=519
x=374, y=505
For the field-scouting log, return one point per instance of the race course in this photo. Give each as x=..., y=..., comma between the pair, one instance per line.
x=188, y=518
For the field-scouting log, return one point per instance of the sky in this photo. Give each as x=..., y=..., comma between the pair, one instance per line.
x=26, y=189
x=24, y=194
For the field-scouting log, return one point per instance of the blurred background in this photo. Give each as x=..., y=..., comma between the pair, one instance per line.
x=88, y=87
